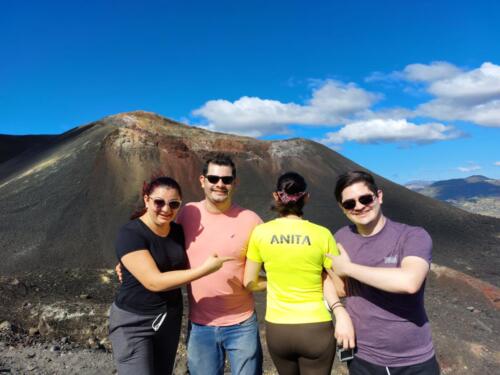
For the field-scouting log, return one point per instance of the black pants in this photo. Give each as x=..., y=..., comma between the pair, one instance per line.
x=138, y=348
x=301, y=349
x=361, y=367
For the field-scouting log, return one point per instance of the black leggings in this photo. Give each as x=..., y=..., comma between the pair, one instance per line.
x=301, y=349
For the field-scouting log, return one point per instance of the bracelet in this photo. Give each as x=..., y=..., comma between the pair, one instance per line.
x=339, y=305
x=335, y=304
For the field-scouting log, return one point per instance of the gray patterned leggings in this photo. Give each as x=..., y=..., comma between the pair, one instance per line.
x=137, y=347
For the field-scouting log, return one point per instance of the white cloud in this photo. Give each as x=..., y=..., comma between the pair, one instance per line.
x=391, y=131
x=470, y=168
x=472, y=95
x=486, y=114
x=457, y=95
x=436, y=70
x=476, y=85
x=497, y=163
x=338, y=99
x=469, y=96
x=331, y=104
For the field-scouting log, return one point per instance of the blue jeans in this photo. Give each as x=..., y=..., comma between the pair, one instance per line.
x=207, y=347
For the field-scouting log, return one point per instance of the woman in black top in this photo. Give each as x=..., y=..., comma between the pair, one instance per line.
x=145, y=318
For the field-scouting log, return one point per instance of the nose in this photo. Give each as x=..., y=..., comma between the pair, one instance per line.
x=166, y=208
x=220, y=183
x=358, y=206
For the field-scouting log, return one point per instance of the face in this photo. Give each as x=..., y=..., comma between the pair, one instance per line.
x=218, y=192
x=159, y=203
x=362, y=214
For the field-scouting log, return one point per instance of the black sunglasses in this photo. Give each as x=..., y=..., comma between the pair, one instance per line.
x=365, y=200
x=226, y=180
x=160, y=203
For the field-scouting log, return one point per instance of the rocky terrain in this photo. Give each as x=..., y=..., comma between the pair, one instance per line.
x=57, y=323
x=62, y=199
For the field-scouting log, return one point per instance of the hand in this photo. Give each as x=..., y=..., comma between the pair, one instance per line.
x=214, y=262
x=340, y=263
x=118, y=270
x=344, y=330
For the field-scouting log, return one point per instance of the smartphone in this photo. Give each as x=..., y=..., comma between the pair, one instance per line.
x=345, y=354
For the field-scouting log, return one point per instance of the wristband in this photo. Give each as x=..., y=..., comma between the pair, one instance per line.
x=335, y=304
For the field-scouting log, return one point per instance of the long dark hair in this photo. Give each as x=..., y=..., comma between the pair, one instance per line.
x=149, y=187
x=291, y=189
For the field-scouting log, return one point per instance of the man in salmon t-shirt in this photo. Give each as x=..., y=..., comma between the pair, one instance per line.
x=221, y=310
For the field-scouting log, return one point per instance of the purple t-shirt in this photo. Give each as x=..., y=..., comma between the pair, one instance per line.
x=392, y=329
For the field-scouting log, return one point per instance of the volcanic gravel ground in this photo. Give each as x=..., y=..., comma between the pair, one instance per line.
x=56, y=323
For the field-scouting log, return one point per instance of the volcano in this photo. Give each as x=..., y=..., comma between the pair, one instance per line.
x=63, y=198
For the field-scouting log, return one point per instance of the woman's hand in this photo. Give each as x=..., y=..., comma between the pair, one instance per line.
x=214, y=262
x=344, y=330
x=118, y=270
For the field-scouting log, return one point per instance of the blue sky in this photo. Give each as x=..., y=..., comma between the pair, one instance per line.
x=410, y=90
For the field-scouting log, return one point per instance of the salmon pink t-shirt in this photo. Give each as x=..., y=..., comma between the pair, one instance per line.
x=218, y=299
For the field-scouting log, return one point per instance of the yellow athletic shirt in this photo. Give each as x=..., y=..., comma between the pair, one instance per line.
x=293, y=252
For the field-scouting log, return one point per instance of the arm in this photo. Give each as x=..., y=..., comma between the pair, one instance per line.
x=141, y=264
x=251, y=280
x=344, y=330
x=406, y=279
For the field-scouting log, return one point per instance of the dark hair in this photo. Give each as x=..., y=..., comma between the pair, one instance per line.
x=149, y=187
x=350, y=178
x=219, y=159
x=291, y=189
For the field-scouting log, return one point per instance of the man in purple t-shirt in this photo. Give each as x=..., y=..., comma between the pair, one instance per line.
x=384, y=265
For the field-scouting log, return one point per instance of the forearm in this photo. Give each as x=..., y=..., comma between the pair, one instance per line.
x=330, y=293
x=163, y=281
x=394, y=280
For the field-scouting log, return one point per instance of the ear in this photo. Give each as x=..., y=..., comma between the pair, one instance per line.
x=145, y=201
x=275, y=196
x=202, y=181
x=306, y=197
x=380, y=196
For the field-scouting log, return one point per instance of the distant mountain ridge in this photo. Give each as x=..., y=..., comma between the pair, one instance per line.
x=477, y=194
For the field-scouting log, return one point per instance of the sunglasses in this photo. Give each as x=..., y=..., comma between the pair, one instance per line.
x=365, y=200
x=226, y=180
x=160, y=203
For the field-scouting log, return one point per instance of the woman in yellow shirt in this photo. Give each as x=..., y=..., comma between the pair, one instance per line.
x=299, y=331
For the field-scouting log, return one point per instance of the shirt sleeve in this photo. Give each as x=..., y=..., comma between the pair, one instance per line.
x=253, y=252
x=128, y=241
x=418, y=243
x=331, y=249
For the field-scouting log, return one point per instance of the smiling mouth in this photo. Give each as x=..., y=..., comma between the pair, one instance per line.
x=361, y=213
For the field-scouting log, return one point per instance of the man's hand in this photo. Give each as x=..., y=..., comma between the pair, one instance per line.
x=340, y=263
x=344, y=330
x=118, y=270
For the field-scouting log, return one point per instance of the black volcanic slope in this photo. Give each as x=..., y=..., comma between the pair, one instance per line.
x=61, y=204
x=13, y=145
